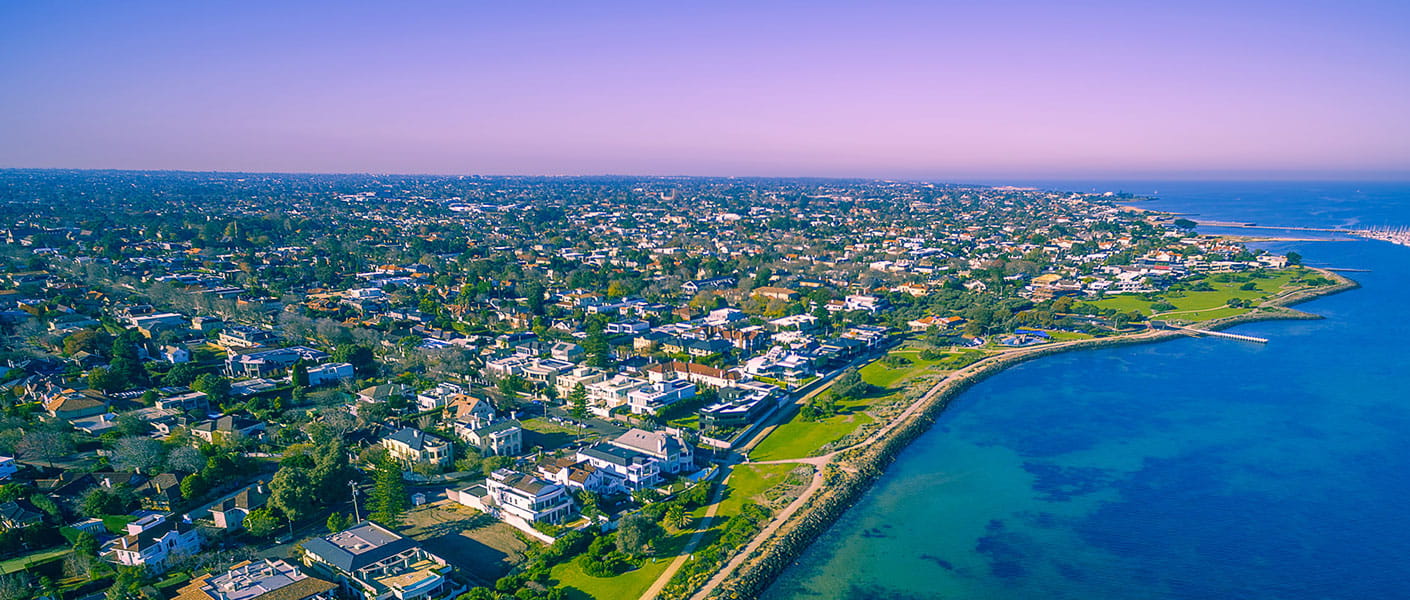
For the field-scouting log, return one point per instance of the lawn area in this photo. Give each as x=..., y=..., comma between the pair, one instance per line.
x=747, y=483
x=1219, y=296
x=881, y=375
x=118, y=523
x=20, y=563
x=627, y=586
x=1207, y=315
x=798, y=438
x=1067, y=336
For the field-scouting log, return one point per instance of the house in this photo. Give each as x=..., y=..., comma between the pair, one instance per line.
x=577, y=475
x=739, y=406
x=229, y=512
x=775, y=293
x=266, y=579
x=632, y=327
x=503, y=438
x=152, y=541
x=70, y=404
x=412, y=446
x=18, y=514
x=242, y=336
x=161, y=492
x=382, y=393
x=693, y=372
x=463, y=407
x=438, y=396
x=329, y=373
x=649, y=399
x=637, y=458
x=196, y=402
x=515, y=496
x=175, y=354
x=713, y=283
x=267, y=362
x=8, y=467
x=227, y=427
x=567, y=351
x=372, y=562
x=605, y=395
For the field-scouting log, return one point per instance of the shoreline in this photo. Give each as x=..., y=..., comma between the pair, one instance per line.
x=855, y=469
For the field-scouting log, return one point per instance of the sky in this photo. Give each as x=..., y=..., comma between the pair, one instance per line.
x=929, y=90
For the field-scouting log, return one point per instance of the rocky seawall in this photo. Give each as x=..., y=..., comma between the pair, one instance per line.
x=854, y=470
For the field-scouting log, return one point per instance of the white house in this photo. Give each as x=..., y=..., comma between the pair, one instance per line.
x=8, y=467
x=151, y=541
x=329, y=373
x=649, y=399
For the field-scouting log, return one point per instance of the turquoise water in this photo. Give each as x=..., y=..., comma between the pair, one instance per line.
x=1196, y=468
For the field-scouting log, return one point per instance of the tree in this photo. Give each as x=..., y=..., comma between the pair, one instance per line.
x=298, y=374
x=388, y=501
x=577, y=402
x=637, y=534
x=141, y=454
x=359, y=356
x=185, y=459
x=192, y=486
x=101, y=378
x=45, y=444
x=291, y=492
x=128, y=584
x=338, y=522
x=1185, y=224
x=85, y=543
x=217, y=388
x=1294, y=258
x=260, y=522
x=676, y=517
x=850, y=385
x=181, y=375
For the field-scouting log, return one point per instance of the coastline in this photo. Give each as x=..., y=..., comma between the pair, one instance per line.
x=852, y=472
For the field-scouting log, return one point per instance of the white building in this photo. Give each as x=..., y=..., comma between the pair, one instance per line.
x=152, y=541
x=649, y=399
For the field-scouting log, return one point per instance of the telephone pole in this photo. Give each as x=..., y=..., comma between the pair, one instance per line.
x=357, y=516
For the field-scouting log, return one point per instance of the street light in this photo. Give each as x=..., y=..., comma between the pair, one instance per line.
x=357, y=516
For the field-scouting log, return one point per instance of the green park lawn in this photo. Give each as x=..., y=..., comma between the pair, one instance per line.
x=747, y=483
x=627, y=586
x=1209, y=303
x=20, y=563
x=799, y=438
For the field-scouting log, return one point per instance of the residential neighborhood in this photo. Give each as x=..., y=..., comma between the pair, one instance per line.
x=371, y=386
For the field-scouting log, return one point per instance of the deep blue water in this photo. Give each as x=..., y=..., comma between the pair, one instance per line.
x=1195, y=468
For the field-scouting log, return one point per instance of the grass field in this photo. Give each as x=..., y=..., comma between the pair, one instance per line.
x=627, y=586
x=1209, y=303
x=799, y=438
x=748, y=482
x=20, y=563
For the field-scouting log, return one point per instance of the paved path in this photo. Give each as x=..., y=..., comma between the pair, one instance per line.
x=702, y=528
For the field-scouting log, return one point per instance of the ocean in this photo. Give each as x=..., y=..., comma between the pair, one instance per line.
x=1199, y=468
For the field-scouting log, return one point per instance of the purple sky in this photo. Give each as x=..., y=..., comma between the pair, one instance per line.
x=933, y=90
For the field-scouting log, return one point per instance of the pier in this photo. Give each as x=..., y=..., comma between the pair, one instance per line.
x=1232, y=336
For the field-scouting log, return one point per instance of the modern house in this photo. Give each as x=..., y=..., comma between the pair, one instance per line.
x=649, y=399
x=267, y=579
x=226, y=427
x=372, y=562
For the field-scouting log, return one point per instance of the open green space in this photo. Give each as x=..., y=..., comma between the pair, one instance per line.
x=799, y=438
x=629, y=585
x=747, y=483
x=1211, y=304
x=20, y=563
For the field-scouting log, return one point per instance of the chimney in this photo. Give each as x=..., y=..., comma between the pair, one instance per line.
x=259, y=487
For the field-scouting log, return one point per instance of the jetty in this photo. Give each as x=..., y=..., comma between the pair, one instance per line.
x=1232, y=336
